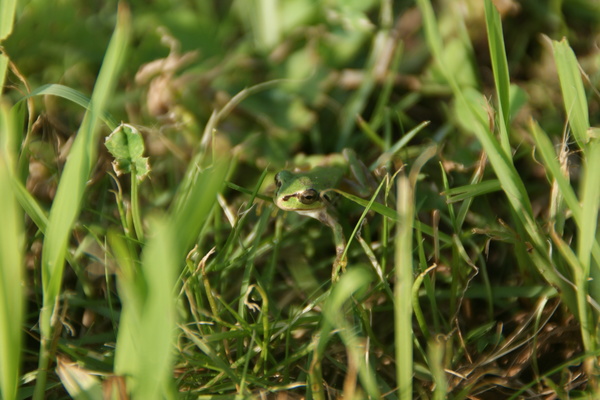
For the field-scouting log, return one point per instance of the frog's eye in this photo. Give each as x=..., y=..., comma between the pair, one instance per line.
x=309, y=196
x=277, y=181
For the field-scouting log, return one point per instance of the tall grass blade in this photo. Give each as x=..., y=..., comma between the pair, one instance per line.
x=193, y=208
x=7, y=17
x=146, y=336
x=11, y=136
x=435, y=360
x=335, y=318
x=576, y=108
x=590, y=205
x=402, y=290
x=67, y=203
x=574, y=99
x=581, y=282
x=12, y=306
x=404, y=273
x=546, y=149
x=506, y=172
x=144, y=351
x=585, y=220
x=500, y=69
x=3, y=69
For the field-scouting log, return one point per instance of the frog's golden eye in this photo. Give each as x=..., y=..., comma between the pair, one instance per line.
x=309, y=196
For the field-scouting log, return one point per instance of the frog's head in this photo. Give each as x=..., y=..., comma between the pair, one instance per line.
x=298, y=192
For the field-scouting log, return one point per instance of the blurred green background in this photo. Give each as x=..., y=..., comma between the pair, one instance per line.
x=334, y=55
x=316, y=77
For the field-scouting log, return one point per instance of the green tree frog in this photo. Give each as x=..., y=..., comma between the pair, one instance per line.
x=306, y=192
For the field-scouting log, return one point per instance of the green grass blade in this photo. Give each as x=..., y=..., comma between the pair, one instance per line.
x=335, y=318
x=11, y=275
x=148, y=323
x=132, y=289
x=505, y=171
x=144, y=352
x=75, y=96
x=3, y=68
x=590, y=204
x=30, y=205
x=402, y=291
x=400, y=144
x=10, y=136
x=466, y=205
x=546, y=149
x=67, y=203
x=432, y=33
x=351, y=282
x=435, y=360
x=391, y=214
x=574, y=99
x=218, y=362
x=461, y=193
x=580, y=280
x=157, y=322
x=500, y=69
x=7, y=17
x=192, y=210
x=584, y=219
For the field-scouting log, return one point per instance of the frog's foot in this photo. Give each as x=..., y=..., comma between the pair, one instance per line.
x=339, y=264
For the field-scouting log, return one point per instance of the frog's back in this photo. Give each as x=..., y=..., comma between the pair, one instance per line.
x=322, y=177
x=306, y=162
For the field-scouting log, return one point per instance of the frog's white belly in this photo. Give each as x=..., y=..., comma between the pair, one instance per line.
x=310, y=213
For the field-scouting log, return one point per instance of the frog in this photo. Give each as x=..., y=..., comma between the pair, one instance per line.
x=308, y=192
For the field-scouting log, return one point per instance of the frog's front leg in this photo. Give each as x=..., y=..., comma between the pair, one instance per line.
x=340, y=244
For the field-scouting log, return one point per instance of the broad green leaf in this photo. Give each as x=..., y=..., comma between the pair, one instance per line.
x=127, y=147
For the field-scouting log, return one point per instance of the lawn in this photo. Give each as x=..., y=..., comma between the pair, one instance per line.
x=141, y=252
